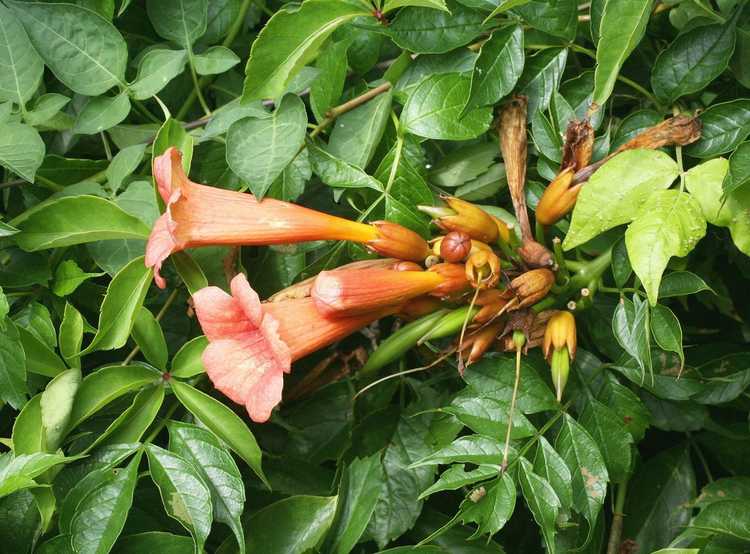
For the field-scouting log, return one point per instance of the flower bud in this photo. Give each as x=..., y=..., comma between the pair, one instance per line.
x=464, y=216
x=560, y=334
x=558, y=199
x=454, y=279
x=480, y=341
x=559, y=369
x=418, y=307
x=396, y=241
x=532, y=286
x=455, y=246
x=483, y=269
x=491, y=302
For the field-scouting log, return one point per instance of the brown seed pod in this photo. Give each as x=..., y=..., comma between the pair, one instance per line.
x=455, y=246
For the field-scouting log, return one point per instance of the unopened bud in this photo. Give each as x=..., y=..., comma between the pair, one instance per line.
x=454, y=279
x=480, y=341
x=464, y=216
x=491, y=302
x=418, y=307
x=559, y=369
x=558, y=199
x=455, y=246
x=560, y=334
x=578, y=146
x=483, y=269
x=396, y=241
x=535, y=254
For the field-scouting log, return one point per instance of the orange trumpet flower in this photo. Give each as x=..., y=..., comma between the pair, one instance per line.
x=252, y=344
x=200, y=215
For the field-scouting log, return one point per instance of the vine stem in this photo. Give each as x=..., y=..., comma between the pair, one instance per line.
x=615, y=531
x=170, y=299
x=355, y=102
x=506, y=449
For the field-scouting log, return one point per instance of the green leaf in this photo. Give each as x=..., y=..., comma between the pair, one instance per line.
x=13, y=388
x=542, y=502
x=358, y=493
x=74, y=220
x=338, y=173
x=294, y=524
x=70, y=336
x=631, y=329
x=549, y=465
x=488, y=415
x=105, y=385
x=729, y=210
x=184, y=492
x=181, y=21
x=40, y=358
x=172, y=133
x=223, y=422
x=728, y=518
x=100, y=516
x=289, y=41
x=68, y=277
x=18, y=472
x=23, y=68
x=659, y=499
x=486, y=185
x=28, y=435
x=541, y=77
x=149, y=337
x=505, y=5
x=725, y=126
x=328, y=86
x=156, y=69
x=155, y=541
x=473, y=449
x=588, y=473
x=21, y=149
x=493, y=510
x=611, y=436
x=739, y=169
x=125, y=162
x=430, y=31
x=456, y=477
x=20, y=523
x=258, y=150
x=668, y=224
x=84, y=50
x=204, y=451
x=667, y=330
x=498, y=67
x=391, y=5
x=187, y=361
x=131, y=424
x=101, y=113
x=434, y=110
x=45, y=107
x=122, y=302
x=57, y=405
x=692, y=61
x=36, y=319
x=356, y=134
x=559, y=18
x=216, y=59
x=616, y=191
x=622, y=27
x=681, y=283
x=233, y=111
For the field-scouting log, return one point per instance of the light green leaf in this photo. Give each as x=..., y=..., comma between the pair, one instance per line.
x=184, y=492
x=463, y=164
x=729, y=210
x=102, y=112
x=181, y=21
x=45, y=107
x=106, y=385
x=725, y=126
x=291, y=183
x=36, y=319
x=75, y=220
x=456, y=476
x=68, y=277
x=294, y=524
x=203, y=450
x=326, y=89
x=28, y=436
x=19, y=471
x=131, y=424
x=216, y=59
x=505, y=5
x=223, y=422
x=630, y=325
x=233, y=111
x=473, y=449
x=125, y=162
x=338, y=173
x=125, y=295
x=616, y=191
x=149, y=337
x=155, y=70
x=542, y=502
x=57, y=405
x=22, y=66
x=622, y=27
x=692, y=61
x=187, y=362
x=40, y=358
x=289, y=41
x=549, y=465
x=84, y=50
x=21, y=149
x=588, y=473
x=434, y=110
x=13, y=388
x=493, y=510
x=391, y=5
x=429, y=31
x=100, y=515
x=669, y=223
x=498, y=67
x=358, y=493
x=356, y=134
x=667, y=331
x=258, y=150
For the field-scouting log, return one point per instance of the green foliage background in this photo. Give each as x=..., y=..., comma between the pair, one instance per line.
x=114, y=439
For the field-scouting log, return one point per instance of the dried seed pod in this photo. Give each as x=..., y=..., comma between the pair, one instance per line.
x=530, y=287
x=578, y=146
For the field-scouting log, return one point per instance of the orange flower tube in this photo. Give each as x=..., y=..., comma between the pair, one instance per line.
x=200, y=215
x=252, y=344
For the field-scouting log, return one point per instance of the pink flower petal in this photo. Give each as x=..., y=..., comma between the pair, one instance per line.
x=160, y=245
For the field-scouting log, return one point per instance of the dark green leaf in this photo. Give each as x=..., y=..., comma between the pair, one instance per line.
x=13, y=388
x=542, y=501
x=681, y=283
x=725, y=126
x=493, y=510
x=549, y=465
x=327, y=88
x=611, y=436
x=556, y=17
x=101, y=113
x=541, y=77
x=667, y=330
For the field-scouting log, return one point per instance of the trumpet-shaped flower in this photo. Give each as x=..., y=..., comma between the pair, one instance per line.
x=199, y=215
x=252, y=345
